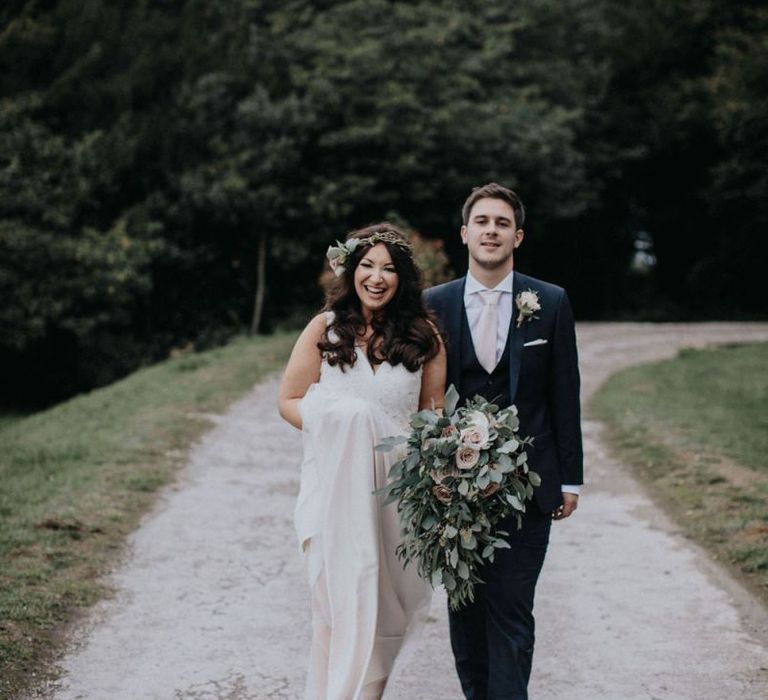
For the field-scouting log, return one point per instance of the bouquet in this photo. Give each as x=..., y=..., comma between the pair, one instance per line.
x=459, y=475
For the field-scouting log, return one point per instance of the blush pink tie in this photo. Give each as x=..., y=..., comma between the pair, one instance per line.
x=487, y=329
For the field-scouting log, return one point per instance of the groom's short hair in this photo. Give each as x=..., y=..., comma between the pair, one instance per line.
x=495, y=191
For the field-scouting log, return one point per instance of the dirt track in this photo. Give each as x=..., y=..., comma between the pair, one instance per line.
x=212, y=604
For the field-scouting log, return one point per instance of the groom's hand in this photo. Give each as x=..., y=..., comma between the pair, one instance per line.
x=570, y=503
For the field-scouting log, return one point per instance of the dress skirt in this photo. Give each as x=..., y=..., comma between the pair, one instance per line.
x=366, y=609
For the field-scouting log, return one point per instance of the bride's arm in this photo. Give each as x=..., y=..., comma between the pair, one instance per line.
x=433, y=379
x=302, y=370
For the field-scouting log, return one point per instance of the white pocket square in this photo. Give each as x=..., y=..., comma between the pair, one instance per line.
x=538, y=341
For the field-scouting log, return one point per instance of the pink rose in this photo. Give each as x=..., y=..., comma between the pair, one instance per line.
x=489, y=490
x=467, y=457
x=449, y=431
x=476, y=434
x=442, y=494
x=439, y=474
x=474, y=437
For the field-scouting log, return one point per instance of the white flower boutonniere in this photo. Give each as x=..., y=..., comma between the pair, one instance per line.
x=527, y=305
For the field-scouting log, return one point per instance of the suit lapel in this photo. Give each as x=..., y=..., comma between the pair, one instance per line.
x=517, y=337
x=452, y=320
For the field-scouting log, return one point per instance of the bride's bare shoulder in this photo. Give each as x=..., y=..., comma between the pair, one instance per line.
x=317, y=325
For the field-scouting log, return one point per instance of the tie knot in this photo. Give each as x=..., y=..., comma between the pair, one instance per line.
x=490, y=297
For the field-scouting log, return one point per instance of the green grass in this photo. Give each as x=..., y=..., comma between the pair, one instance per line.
x=696, y=430
x=75, y=479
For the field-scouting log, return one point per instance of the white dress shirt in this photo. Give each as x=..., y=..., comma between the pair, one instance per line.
x=473, y=303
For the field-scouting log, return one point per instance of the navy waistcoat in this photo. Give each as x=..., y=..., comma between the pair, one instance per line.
x=475, y=380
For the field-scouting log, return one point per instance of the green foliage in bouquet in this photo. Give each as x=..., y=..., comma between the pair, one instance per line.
x=461, y=473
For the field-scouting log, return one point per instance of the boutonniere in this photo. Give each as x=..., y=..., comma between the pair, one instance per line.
x=527, y=305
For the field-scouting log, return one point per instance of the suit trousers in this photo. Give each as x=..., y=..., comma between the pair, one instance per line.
x=492, y=638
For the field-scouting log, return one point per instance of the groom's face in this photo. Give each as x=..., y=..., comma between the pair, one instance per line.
x=491, y=234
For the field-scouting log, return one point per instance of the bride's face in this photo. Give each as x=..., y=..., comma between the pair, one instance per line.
x=376, y=279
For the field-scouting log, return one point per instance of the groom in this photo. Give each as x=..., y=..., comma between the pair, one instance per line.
x=500, y=345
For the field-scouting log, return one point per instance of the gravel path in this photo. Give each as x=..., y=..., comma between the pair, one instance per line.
x=211, y=600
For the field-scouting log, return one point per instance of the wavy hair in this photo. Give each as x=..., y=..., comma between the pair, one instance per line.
x=494, y=190
x=403, y=332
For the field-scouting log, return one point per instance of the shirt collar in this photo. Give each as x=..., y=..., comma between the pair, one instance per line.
x=472, y=285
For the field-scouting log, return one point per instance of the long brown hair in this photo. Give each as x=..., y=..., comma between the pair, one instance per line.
x=403, y=332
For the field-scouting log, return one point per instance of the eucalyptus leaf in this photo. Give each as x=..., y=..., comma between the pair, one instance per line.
x=389, y=443
x=509, y=446
x=412, y=460
x=392, y=498
x=451, y=400
x=463, y=570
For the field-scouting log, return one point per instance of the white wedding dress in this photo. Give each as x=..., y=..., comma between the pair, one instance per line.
x=365, y=607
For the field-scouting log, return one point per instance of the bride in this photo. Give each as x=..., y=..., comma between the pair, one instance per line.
x=356, y=373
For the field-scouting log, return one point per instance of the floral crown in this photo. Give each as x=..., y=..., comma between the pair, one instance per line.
x=339, y=254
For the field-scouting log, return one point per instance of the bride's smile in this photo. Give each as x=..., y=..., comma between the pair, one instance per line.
x=376, y=279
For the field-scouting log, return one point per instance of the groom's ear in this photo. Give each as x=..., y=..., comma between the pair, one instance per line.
x=519, y=235
x=464, y=235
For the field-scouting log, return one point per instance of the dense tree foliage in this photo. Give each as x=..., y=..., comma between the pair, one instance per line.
x=171, y=172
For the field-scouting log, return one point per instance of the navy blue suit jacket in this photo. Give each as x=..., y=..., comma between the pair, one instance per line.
x=544, y=378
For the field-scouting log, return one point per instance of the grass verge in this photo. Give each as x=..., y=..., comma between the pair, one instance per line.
x=75, y=480
x=696, y=430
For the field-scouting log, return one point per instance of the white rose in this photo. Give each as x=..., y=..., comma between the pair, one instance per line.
x=477, y=433
x=477, y=418
x=337, y=256
x=529, y=301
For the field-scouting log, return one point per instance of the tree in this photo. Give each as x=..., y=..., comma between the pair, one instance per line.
x=738, y=193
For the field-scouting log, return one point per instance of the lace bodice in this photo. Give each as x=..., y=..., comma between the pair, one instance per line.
x=395, y=389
